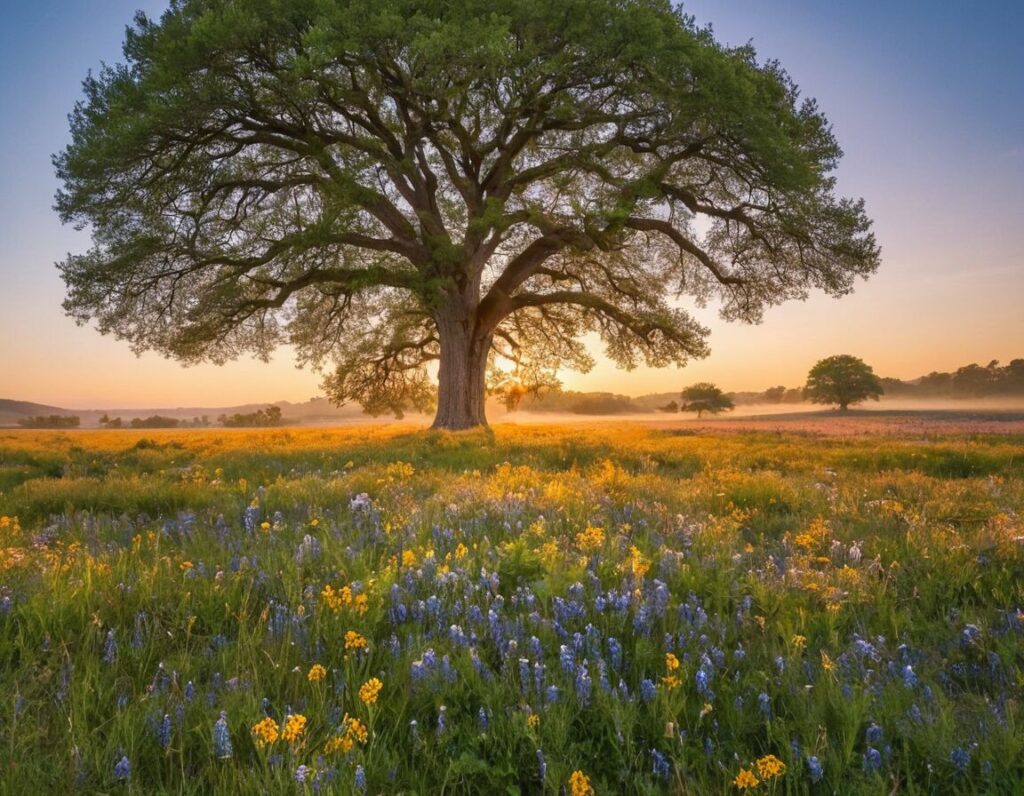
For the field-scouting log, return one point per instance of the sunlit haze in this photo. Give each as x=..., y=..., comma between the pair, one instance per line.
x=927, y=102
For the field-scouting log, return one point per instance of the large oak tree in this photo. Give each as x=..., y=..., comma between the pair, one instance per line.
x=388, y=183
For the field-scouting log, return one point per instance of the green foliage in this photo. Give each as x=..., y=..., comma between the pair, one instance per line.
x=842, y=380
x=383, y=185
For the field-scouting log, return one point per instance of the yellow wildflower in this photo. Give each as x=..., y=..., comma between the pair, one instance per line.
x=533, y=720
x=316, y=673
x=670, y=681
x=799, y=641
x=826, y=662
x=354, y=641
x=265, y=526
x=265, y=732
x=360, y=603
x=579, y=784
x=671, y=662
x=294, y=727
x=708, y=708
x=369, y=690
x=590, y=540
x=746, y=780
x=408, y=558
x=460, y=551
x=770, y=766
x=356, y=730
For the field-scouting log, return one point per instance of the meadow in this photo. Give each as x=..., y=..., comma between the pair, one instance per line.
x=546, y=609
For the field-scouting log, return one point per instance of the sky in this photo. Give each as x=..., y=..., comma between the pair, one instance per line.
x=926, y=99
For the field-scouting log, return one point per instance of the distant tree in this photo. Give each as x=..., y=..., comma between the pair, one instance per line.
x=705, y=397
x=671, y=407
x=271, y=416
x=842, y=380
x=390, y=185
x=50, y=421
x=154, y=421
x=111, y=422
x=774, y=395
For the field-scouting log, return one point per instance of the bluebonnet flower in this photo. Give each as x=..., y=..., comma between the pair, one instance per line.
x=615, y=653
x=123, y=769
x=360, y=780
x=764, y=704
x=567, y=659
x=164, y=731
x=551, y=695
x=524, y=675
x=873, y=734
x=701, y=678
x=584, y=685
x=222, y=748
x=660, y=765
x=542, y=765
x=110, y=648
x=251, y=518
x=961, y=759
x=648, y=690
x=815, y=769
x=909, y=677
x=442, y=723
x=871, y=761
x=970, y=634
x=482, y=719
x=308, y=551
x=302, y=773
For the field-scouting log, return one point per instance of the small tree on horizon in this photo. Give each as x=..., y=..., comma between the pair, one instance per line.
x=705, y=397
x=842, y=380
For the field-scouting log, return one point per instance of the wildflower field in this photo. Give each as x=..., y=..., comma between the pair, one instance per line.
x=544, y=610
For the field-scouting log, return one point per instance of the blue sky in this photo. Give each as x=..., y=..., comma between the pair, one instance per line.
x=927, y=100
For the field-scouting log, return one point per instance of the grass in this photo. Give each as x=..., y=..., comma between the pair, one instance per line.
x=846, y=614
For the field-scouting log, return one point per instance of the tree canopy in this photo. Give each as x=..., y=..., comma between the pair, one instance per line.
x=705, y=397
x=842, y=380
x=387, y=185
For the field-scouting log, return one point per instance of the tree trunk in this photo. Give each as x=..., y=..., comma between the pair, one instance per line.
x=462, y=372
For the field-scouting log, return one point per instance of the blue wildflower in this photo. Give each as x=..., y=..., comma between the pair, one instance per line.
x=360, y=779
x=542, y=765
x=648, y=690
x=222, y=748
x=110, y=648
x=123, y=769
x=164, y=731
x=871, y=761
x=815, y=769
x=961, y=759
x=660, y=765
